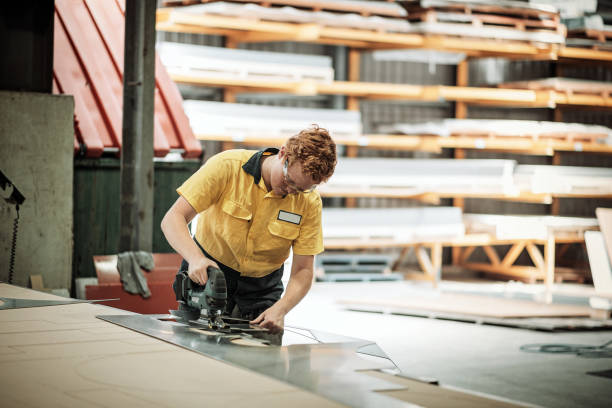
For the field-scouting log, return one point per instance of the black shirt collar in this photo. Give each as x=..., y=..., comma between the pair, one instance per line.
x=253, y=165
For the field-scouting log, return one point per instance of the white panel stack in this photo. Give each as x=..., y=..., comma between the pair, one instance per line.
x=398, y=224
x=455, y=24
x=528, y=226
x=468, y=18
x=601, y=269
x=503, y=128
x=564, y=179
x=474, y=176
x=217, y=62
x=291, y=14
x=244, y=120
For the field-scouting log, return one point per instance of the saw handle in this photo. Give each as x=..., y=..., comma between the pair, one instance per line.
x=183, y=284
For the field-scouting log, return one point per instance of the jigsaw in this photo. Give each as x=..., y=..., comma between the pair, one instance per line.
x=195, y=300
x=203, y=305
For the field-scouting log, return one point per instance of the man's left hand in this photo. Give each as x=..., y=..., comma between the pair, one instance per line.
x=272, y=319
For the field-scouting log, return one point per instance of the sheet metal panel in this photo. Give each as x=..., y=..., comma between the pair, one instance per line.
x=329, y=368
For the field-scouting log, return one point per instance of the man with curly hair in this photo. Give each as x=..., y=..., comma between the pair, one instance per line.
x=254, y=207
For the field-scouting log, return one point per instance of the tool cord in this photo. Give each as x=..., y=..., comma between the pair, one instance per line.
x=603, y=351
x=13, y=247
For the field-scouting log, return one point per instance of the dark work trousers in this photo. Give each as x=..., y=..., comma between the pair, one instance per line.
x=247, y=297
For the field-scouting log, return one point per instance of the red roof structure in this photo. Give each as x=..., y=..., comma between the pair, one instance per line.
x=88, y=64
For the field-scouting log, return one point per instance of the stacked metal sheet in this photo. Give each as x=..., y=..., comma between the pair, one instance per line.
x=508, y=20
x=561, y=180
x=593, y=31
x=505, y=128
x=362, y=7
x=216, y=62
x=528, y=226
x=466, y=177
x=244, y=120
x=566, y=85
x=184, y=15
x=402, y=225
x=570, y=8
x=442, y=176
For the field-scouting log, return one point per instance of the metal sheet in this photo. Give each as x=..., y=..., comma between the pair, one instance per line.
x=10, y=303
x=328, y=368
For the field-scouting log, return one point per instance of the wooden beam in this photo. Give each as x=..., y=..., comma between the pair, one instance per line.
x=425, y=262
x=436, y=258
x=434, y=197
x=352, y=103
x=513, y=253
x=528, y=273
x=555, y=206
x=492, y=255
x=536, y=256
x=575, y=53
x=400, y=258
x=460, y=113
x=564, y=98
x=465, y=255
x=462, y=80
x=254, y=30
x=549, y=260
x=435, y=144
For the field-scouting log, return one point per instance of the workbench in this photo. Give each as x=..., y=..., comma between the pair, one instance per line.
x=62, y=355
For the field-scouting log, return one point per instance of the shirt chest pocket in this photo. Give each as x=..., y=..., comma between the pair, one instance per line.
x=278, y=239
x=236, y=210
x=235, y=224
x=284, y=230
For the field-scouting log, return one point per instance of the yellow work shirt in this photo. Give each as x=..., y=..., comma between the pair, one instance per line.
x=244, y=226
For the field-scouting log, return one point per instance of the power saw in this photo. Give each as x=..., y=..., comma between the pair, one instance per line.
x=202, y=306
x=196, y=301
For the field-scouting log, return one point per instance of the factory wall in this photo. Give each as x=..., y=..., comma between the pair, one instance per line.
x=97, y=206
x=37, y=139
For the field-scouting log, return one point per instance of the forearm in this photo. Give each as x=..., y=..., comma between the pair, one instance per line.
x=298, y=286
x=174, y=227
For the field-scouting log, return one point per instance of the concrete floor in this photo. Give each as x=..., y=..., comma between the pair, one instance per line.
x=479, y=358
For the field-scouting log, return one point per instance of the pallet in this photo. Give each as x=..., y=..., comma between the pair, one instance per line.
x=459, y=15
x=501, y=130
x=481, y=20
x=587, y=43
x=352, y=267
x=507, y=9
x=603, y=36
x=565, y=86
x=566, y=137
x=354, y=262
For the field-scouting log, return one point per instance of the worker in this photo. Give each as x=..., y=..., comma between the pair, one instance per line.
x=254, y=207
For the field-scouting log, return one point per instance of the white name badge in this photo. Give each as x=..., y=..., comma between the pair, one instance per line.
x=289, y=217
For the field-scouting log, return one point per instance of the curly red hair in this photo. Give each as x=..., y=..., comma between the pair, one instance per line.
x=315, y=150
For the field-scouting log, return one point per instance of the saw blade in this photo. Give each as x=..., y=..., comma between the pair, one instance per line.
x=203, y=323
x=185, y=315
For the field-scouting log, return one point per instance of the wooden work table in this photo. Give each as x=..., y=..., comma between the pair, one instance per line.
x=62, y=355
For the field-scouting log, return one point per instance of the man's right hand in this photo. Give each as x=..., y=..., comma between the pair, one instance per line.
x=198, y=270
